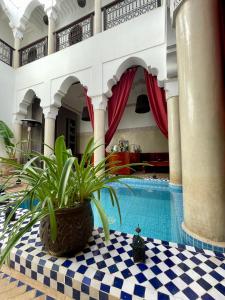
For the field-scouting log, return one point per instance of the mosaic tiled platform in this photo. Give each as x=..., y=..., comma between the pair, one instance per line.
x=106, y=271
x=11, y=288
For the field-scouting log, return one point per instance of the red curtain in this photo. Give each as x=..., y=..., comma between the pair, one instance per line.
x=118, y=101
x=90, y=108
x=157, y=101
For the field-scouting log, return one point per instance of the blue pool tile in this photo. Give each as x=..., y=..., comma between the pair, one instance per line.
x=101, y=264
x=82, y=269
x=139, y=290
x=76, y=294
x=118, y=282
x=220, y=288
x=99, y=275
x=207, y=297
x=141, y=278
x=126, y=273
x=105, y=288
x=155, y=283
x=68, y=281
x=187, y=279
x=90, y=261
x=67, y=263
x=85, y=288
x=204, y=284
x=171, y=274
x=172, y=288
x=190, y=293
x=103, y=296
x=46, y=280
x=113, y=269
x=70, y=273
x=156, y=270
x=162, y=296
x=199, y=271
x=60, y=287
x=125, y=296
x=216, y=275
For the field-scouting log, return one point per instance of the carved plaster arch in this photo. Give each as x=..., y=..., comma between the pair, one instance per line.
x=120, y=68
x=63, y=86
x=24, y=99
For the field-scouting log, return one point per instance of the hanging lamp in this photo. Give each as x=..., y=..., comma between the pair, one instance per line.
x=142, y=104
x=85, y=114
x=81, y=3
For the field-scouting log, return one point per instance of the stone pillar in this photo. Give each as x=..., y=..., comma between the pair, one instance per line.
x=52, y=16
x=98, y=17
x=18, y=36
x=50, y=114
x=99, y=105
x=174, y=132
x=202, y=115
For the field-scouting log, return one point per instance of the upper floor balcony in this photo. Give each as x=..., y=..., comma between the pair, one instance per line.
x=112, y=14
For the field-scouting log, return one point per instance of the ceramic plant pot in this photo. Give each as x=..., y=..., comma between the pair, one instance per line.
x=74, y=228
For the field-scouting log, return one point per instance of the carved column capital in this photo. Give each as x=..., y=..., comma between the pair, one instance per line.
x=51, y=13
x=99, y=102
x=50, y=112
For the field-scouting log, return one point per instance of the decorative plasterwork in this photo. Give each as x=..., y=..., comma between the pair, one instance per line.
x=51, y=13
x=99, y=102
x=50, y=112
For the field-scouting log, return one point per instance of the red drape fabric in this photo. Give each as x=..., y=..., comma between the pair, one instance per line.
x=157, y=101
x=90, y=108
x=118, y=101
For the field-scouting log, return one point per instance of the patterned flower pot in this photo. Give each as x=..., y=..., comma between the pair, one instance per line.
x=74, y=227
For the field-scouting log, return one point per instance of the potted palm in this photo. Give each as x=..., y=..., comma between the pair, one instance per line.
x=62, y=192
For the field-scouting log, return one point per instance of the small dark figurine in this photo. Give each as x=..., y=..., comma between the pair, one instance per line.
x=18, y=181
x=138, y=246
x=7, y=213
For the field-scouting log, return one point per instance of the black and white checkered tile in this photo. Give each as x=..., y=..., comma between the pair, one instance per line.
x=107, y=271
x=18, y=283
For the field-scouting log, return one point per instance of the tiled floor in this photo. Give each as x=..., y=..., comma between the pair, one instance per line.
x=14, y=285
x=106, y=270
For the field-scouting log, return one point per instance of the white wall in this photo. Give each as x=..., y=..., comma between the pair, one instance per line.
x=6, y=32
x=7, y=89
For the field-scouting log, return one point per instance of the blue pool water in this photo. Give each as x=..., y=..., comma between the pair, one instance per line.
x=156, y=209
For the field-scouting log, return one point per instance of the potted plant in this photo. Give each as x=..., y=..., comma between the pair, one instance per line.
x=64, y=190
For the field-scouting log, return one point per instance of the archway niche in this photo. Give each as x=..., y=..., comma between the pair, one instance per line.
x=139, y=131
x=34, y=112
x=69, y=120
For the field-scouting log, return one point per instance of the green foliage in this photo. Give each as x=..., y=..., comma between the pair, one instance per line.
x=7, y=135
x=62, y=183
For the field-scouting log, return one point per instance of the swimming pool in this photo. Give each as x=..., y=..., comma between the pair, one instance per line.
x=154, y=207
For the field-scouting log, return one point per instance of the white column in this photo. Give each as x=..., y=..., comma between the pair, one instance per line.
x=98, y=17
x=99, y=105
x=52, y=16
x=174, y=138
x=18, y=36
x=202, y=115
x=50, y=114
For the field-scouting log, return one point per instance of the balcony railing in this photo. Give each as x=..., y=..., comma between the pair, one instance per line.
x=6, y=53
x=75, y=32
x=34, y=51
x=121, y=11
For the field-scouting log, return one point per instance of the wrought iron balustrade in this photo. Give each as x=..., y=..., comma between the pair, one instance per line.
x=74, y=33
x=34, y=51
x=121, y=11
x=6, y=53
